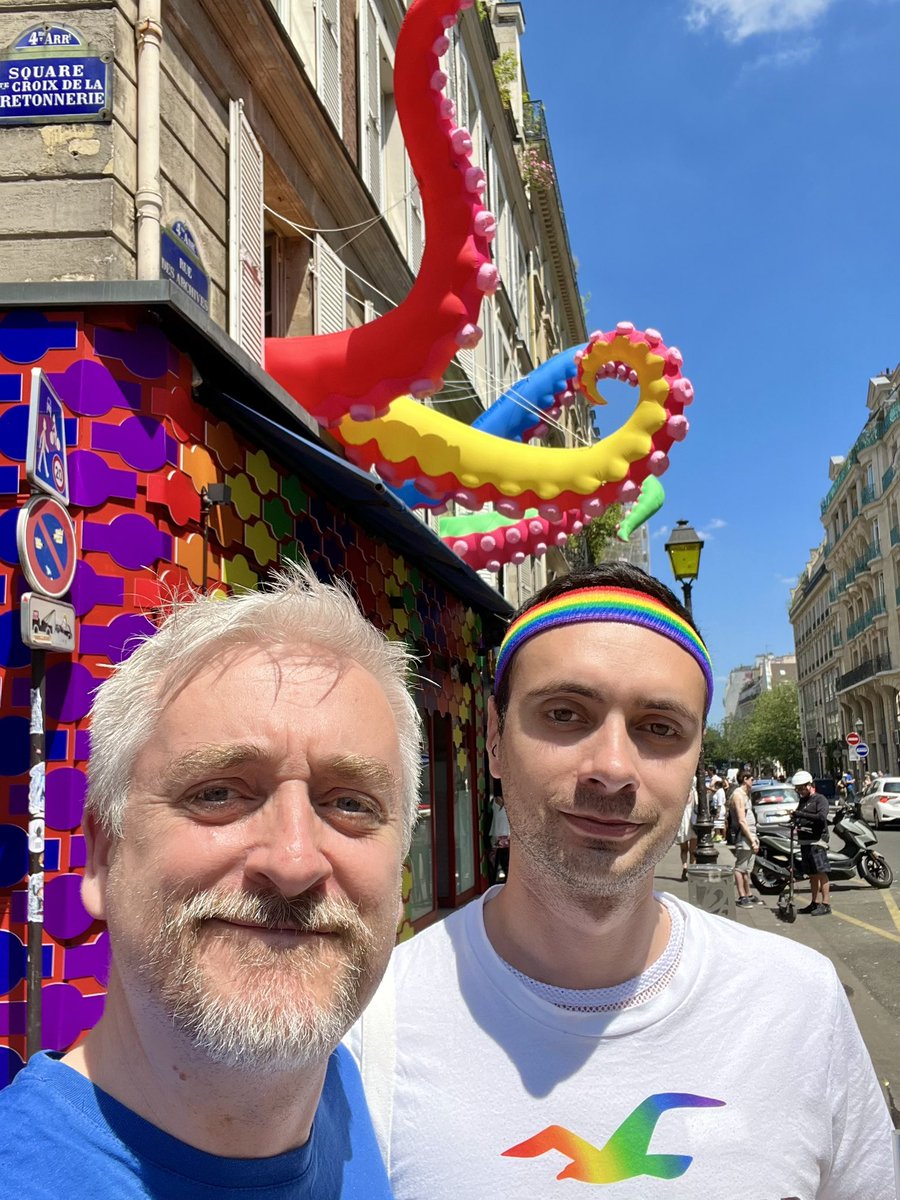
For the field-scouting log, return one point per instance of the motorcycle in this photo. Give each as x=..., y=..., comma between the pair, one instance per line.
x=771, y=872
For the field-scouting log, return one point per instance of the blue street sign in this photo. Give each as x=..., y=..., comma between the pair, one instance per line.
x=51, y=74
x=862, y=750
x=180, y=261
x=45, y=456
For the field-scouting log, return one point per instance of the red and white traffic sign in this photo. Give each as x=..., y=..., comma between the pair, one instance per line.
x=46, y=540
x=853, y=739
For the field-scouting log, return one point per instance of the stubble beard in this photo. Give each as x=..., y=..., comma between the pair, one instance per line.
x=270, y=1007
x=592, y=870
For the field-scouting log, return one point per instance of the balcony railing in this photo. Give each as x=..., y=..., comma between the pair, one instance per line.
x=873, y=433
x=888, y=478
x=895, y=535
x=534, y=122
x=865, y=670
x=837, y=640
x=869, y=494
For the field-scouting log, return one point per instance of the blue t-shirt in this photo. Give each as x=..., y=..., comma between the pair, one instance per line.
x=62, y=1136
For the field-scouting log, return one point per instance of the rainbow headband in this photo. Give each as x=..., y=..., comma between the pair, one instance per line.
x=621, y=605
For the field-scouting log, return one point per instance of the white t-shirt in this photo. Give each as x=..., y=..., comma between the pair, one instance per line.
x=482, y=1090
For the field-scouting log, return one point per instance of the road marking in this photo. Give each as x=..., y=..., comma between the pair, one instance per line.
x=892, y=908
x=891, y=937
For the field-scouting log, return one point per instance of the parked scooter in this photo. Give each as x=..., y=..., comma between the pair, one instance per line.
x=856, y=856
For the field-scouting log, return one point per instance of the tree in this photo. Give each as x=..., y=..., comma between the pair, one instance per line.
x=726, y=743
x=773, y=732
x=591, y=546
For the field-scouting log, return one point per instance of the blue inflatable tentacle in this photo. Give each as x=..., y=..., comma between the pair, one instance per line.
x=512, y=414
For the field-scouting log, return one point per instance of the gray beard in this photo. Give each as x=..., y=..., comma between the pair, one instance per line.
x=278, y=1021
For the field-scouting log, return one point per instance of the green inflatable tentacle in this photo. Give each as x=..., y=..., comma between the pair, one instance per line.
x=650, y=501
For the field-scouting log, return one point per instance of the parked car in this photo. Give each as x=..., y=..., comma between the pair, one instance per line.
x=882, y=801
x=773, y=803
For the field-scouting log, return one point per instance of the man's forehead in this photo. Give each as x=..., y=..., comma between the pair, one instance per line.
x=592, y=653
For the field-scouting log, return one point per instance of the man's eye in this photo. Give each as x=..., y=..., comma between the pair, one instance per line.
x=216, y=796
x=359, y=809
x=661, y=729
x=562, y=716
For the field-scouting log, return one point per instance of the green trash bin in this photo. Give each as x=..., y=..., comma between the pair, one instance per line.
x=711, y=888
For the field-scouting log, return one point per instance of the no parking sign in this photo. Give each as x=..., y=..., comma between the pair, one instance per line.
x=46, y=540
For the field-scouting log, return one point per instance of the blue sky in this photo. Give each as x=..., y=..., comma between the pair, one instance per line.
x=731, y=176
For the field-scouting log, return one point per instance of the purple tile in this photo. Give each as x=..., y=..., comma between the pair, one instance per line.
x=145, y=352
x=89, y=389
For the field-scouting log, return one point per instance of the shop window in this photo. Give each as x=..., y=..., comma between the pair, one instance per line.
x=421, y=854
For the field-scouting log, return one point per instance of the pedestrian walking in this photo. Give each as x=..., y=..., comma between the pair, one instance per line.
x=746, y=843
x=686, y=838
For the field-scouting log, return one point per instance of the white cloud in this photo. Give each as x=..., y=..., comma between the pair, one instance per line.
x=662, y=532
x=739, y=19
x=788, y=580
x=711, y=527
x=790, y=56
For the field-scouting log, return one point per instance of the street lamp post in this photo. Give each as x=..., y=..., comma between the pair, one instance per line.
x=683, y=548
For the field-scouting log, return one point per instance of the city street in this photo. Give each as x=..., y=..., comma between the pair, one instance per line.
x=861, y=937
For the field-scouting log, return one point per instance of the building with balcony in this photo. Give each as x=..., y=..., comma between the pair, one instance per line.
x=861, y=518
x=239, y=172
x=767, y=672
x=818, y=645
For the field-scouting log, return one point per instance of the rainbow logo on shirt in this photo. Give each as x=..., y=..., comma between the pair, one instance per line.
x=625, y=1155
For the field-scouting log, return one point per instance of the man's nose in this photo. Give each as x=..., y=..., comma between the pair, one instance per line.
x=610, y=760
x=287, y=837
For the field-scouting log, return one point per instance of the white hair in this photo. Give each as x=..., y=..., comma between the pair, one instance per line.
x=296, y=607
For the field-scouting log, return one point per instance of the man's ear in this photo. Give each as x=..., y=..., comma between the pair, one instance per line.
x=99, y=849
x=493, y=739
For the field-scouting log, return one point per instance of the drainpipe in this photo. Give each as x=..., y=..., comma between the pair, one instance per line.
x=148, y=197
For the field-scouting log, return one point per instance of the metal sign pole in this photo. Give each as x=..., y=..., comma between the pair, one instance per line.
x=36, y=794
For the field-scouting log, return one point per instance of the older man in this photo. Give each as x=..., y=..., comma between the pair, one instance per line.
x=252, y=791
x=563, y=1030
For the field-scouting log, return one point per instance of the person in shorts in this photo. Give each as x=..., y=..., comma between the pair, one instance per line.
x=747, y=843
x=811, y=817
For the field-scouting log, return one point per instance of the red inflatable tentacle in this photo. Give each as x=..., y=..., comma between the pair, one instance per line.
x=360, y=371
x=514, y=543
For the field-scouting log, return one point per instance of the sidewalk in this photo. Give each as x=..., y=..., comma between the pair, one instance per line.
x=758, y=916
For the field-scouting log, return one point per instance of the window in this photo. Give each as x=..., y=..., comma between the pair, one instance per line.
x=246, y=303
x=330, y=290
x=370, y=101
x=328, y=58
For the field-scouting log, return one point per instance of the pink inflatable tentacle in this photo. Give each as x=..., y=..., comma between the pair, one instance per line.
x=408, y=349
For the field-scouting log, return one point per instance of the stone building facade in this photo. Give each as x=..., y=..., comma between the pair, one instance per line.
x=861, y=552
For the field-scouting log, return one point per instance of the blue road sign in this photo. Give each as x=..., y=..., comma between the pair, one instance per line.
x=45, y=457
x=862, y=750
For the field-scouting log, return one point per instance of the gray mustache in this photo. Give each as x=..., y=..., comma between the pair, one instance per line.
x=305, y=914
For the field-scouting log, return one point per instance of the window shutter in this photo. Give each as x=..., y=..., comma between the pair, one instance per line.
x=462, y=103
x=370, y=311
x=331, y=290
x=370, y=123
x=328, y=58
x=415, y=221
x=246, y=293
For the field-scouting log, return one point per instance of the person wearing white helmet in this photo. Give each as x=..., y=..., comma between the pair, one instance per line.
x=811, y=817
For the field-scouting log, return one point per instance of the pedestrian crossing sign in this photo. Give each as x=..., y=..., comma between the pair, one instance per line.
x=45, y=457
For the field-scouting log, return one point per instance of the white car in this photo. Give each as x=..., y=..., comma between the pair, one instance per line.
x=882, y=800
